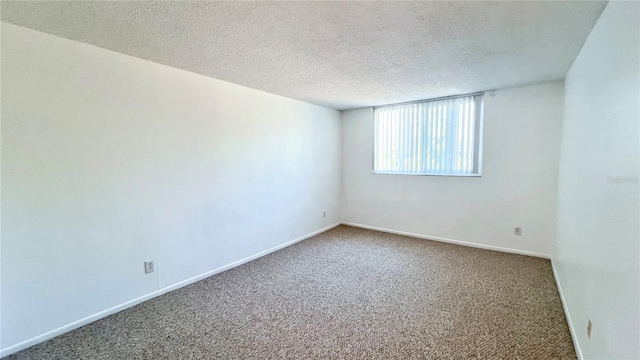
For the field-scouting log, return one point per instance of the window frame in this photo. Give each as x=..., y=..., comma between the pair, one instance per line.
x=478, y=136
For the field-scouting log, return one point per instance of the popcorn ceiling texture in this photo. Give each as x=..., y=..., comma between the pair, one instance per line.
x=347, y=293
x=338, y=54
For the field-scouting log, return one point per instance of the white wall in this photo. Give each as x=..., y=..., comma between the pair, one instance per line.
x=517, y=188
x=110, y=160
x=598, y=239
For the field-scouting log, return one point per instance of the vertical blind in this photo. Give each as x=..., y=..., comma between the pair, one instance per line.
x=440, y=137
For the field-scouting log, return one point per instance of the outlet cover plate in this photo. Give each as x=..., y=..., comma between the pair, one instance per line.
x=149, y=266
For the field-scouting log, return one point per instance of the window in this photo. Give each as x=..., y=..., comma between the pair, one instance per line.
x=431, y=137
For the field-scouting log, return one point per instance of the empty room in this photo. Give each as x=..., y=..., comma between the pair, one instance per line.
x=320, y=180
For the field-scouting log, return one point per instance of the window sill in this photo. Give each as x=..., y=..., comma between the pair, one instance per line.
x=439, y=175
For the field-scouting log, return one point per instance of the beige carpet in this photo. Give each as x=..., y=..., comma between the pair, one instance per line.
x=345, y=294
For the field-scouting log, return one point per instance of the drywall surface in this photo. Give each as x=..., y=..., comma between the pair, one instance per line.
x=517, y=188
x=109, y=160
x=598, y=240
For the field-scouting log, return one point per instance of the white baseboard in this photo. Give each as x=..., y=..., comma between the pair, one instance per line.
x=572, y=330
x=451, y=241
x=102, y=314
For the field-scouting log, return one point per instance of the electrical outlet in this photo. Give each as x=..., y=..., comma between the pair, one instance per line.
x=324, y=214
x=589, y=326
x=149, y=266
x=517, y=231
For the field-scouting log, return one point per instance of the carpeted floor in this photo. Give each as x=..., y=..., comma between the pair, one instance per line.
x=345, y=294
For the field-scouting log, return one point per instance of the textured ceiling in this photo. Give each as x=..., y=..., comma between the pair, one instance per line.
x=337, y=54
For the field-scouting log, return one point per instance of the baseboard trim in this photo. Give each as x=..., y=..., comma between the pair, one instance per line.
x=450, y=241
x=102, y=314
x=567, y=315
